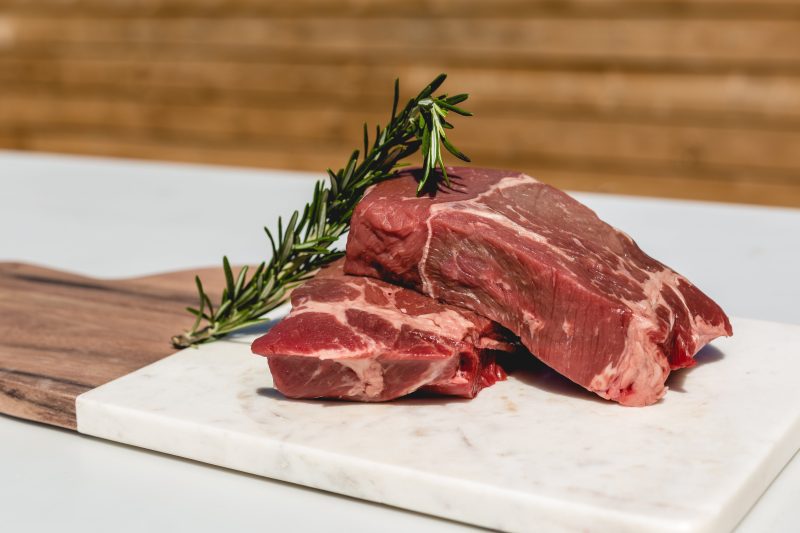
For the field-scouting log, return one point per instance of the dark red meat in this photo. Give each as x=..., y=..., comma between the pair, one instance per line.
x=581, y=295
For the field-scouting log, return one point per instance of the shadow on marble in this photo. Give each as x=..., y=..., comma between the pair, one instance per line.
x=530, y=371
x=414, y=399
x=709, y=354
x=533, y=372
x=522, y=367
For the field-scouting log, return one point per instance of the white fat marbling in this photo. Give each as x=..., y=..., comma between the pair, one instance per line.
x=533, y=453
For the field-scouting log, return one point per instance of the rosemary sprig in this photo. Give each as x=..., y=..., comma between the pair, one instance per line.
x=305, y=243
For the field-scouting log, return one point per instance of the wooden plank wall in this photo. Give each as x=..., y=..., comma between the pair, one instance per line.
x=681, y=98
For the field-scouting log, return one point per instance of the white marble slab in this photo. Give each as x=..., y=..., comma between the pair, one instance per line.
x=531, y=453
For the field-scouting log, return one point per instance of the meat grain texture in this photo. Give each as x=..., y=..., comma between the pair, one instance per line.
x=582, y=296
x=362, y=339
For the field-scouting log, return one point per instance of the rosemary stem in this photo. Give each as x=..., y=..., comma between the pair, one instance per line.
x=306, y=242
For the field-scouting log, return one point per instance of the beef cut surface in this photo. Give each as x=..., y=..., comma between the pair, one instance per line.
x=580, y=294
x=363, y=339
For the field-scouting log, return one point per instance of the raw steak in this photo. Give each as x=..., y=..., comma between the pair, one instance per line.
x=581, y=295
x=363, y=339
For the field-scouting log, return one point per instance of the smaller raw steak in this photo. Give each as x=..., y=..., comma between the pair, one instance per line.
x=363, y=339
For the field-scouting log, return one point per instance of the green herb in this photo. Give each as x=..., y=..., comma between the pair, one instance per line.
x=306, y=242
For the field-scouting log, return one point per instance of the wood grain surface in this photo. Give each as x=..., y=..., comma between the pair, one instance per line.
x=63, y=334
x=682, y=98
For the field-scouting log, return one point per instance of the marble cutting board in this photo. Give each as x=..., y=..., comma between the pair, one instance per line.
x=531, y=453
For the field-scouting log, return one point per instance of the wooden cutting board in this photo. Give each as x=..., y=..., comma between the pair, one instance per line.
x=62, y=334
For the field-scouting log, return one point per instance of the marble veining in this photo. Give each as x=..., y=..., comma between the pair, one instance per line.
x=532, y=453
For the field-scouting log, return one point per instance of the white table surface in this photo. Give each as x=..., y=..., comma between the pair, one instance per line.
x=117, y=218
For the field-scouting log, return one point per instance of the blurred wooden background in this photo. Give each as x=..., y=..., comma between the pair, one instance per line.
x=681, y=98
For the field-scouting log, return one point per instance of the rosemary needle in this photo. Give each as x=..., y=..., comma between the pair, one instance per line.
x=306, y=242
